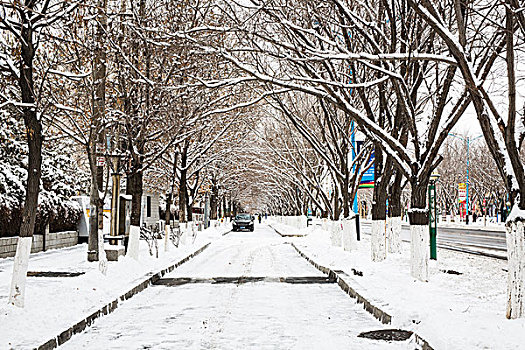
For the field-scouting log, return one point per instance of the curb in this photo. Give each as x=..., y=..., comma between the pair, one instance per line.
x=379, y=314
x=375, y=311
x=110, y=307
x=284, y=235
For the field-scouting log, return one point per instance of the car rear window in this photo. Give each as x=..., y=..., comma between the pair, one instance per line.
x=243, y=217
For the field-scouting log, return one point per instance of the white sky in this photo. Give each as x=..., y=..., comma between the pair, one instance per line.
x=468, y=124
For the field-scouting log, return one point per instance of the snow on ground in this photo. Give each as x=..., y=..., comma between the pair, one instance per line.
x=291, y=230
x=478, y=225
x=55, y=304
x=464, y=311
x=262, y=315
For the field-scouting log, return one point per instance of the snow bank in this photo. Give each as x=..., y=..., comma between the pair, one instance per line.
x=450, y=311
x=54, y=304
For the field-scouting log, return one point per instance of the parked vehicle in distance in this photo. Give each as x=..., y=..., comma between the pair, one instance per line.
x=243, y=222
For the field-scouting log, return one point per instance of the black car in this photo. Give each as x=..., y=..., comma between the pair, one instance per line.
x=243, y=222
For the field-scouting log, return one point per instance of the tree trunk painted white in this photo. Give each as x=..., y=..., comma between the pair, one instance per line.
x=335, y=234
x=304, y=221
x=388, y=232
x=167, y=238
x=349, y=235
x=394, y=234
x=378, y=240
x=516, y=266
x=419, y=251
x=325, y=225
x=18, y=280
x=102, y=259
x=193, y=233
x=183, y=233
x=133, y=244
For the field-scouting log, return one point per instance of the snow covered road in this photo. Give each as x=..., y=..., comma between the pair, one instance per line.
x=257, y=315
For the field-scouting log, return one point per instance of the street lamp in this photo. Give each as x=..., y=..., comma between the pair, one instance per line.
x=468, y=139
x=432, y=217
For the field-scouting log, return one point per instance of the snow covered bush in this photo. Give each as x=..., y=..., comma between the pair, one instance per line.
x=61, y=179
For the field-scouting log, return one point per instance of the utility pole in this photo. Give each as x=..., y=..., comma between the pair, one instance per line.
x=115, y=156
x=468, y=168
x=355, y=204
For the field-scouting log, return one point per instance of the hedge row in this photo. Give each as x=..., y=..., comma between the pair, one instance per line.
x=61, y=217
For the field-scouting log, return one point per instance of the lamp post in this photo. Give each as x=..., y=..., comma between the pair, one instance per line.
x=432, y=217
x=116, y=162
x=468, y=139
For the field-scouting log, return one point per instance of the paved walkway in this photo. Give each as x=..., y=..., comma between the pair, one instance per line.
x=282, y=303
x=55, y=302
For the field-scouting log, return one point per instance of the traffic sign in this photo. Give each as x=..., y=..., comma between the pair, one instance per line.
x=462, y=192
x=368, y=177
x=101, y=161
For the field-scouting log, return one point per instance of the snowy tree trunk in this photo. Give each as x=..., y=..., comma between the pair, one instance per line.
x=419, y=251
x=134, y=187
x=96, y=220
x=102, y=261
x=394, y=234
x=18, y=279
x=34, y=164
x=193, y=232
x=394, y=210
x=378, y=240
x=133, y=245
x=167, y=237
x=349, y=235
x=214, y=201
x=382, y=174
x=168, y=219
x=189, y=209
x=388, y=232
x=515, y=231
x=325, y=225
x=419, y=235
x=93, y=251
x=335, y=233
x=183, y=233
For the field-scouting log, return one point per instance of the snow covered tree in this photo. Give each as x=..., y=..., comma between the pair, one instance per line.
x=486, y=42
x=328, y=132
x=22, y=25
x=61, y=179
x=328, y=50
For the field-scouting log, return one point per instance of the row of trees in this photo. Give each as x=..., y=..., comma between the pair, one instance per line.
x=405, y=71
x=109, y=78
x=167, y=88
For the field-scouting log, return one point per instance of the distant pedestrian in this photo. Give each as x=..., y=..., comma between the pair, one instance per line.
x=265, y=216
x=260, y=218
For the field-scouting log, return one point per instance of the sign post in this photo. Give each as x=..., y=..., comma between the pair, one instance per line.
x=432, y=215
x=462, y=196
